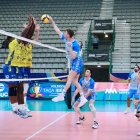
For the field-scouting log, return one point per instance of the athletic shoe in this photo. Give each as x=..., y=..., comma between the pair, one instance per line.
x=95, y=125
x=138, y=134
x=24, y=114
x=17, y=112
x=127, y=111
x=135, y=111
x=80, y=120
x=59, y=98
x=83, y=101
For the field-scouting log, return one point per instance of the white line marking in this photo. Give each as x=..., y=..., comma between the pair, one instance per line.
x=47, y=126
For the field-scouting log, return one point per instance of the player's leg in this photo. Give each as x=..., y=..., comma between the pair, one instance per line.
x=93, y=110
x=136, y=96
x=130, y=95
x=77, y=110
x=26, y=86
x=13, y=97
x=10, y=73
x=20, y=95
x=78, y=86
x=71, y=77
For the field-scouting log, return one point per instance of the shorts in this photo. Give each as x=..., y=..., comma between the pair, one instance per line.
x=133, y=94
x=91, y=97
x=77, y=65
x=10, y=72
x=24, y=72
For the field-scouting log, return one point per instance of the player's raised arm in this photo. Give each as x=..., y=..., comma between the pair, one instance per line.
x=54, y=26
x=37, y=33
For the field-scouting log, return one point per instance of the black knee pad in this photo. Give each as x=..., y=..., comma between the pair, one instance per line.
x=12, y=91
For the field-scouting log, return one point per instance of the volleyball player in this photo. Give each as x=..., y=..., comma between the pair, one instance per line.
x=17, y=65
x=87, y=84
x=74, y=55
x=133, y=80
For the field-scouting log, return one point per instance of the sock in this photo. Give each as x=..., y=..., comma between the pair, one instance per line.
x=22, y=107
x=14, y=106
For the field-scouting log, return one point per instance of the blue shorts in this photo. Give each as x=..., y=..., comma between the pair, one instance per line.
x=91, y=97
x=77, y=66
x=133, y=94
x=24, y=72
x=10, y=72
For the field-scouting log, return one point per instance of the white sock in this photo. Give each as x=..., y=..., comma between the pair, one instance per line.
x=22, y=107
x=14, y=106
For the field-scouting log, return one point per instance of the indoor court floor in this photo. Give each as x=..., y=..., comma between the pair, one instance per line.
x=52, y=121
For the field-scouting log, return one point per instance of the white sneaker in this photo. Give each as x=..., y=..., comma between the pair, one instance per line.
x=83, y=101
x=95, y=125
x=138, y=134
x=80, y=120
x=59, y=98
x=135, y=111
x=127, y=111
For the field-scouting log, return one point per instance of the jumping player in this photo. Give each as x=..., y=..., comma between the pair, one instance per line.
x=17, y=66
x=133, y=87
x=87, y=84
x=74, y=55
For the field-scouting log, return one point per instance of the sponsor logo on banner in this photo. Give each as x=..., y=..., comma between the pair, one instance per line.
x=3, y=90
x=111, y=91
x=45, y=90
x=2, y=87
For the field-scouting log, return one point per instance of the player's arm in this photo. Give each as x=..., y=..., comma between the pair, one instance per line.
x=37, y=29
x=54, y=26
x=90, y=89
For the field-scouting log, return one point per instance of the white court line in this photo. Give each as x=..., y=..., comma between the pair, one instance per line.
x=47, y=126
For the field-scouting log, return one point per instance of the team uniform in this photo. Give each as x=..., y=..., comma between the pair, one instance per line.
x=88, y=85
x=19, y=61
x=133, y=87
x=17, y=66
x=77, y=63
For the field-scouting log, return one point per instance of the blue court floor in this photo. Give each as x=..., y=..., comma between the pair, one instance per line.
x=48, y=105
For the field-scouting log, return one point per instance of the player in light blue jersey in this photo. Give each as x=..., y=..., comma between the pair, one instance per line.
x=133, y=87
x=87, y=84
x=73, y=52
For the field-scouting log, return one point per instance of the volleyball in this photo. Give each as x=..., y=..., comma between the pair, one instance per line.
x=45, y=19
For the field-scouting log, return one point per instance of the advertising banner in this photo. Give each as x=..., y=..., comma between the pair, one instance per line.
x=42, y=90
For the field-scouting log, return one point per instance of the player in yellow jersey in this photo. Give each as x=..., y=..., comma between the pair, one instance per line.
x=18, y=64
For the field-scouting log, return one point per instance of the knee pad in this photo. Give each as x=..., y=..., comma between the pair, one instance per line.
x=26, y=87
x=12, y=91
